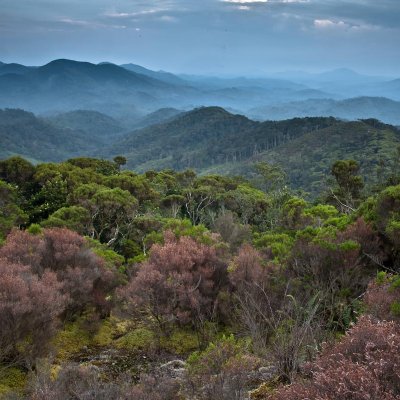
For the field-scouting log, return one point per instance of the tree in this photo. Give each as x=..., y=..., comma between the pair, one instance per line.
x=254, y=296
x=363, y=365
x=174, y=203
x=10, y=213
x=75, y=218
x=136, y=185
x=231, y=231
x=111, y=210
x=119, y=160
x=17, y=170
x=84, y=278
x=178, y=284
x=349, y=184
x=103, y=167
x=338, y=265
x=277, y=323
x=29, y=308
x=272, y=177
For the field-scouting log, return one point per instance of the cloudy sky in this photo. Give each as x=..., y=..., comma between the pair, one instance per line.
x=207, y=36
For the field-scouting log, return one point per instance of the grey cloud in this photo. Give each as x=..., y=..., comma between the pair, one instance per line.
x=205, y=35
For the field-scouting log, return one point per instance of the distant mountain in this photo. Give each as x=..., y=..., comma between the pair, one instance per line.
x=345, y=83
x=356, y=108
x=212, y=82
x=390, y=88
x=335, y=75
x=130, y=92
x=89, y=122
x=22, y=133
x=157, y=117
x=67, y=85
x=14, y=69
x=160, y=75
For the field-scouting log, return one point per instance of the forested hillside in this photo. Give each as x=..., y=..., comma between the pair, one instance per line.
x=25, y=134
x=92, y=123
x=208, y=139
x=171, y=285
x=212, y=140
x=208, y=136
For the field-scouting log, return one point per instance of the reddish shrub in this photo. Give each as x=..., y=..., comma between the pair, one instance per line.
x=255, y=295
x=363, y=365
x=179, y=283
x=382, y=297
x=29, y=307
x=84, y=277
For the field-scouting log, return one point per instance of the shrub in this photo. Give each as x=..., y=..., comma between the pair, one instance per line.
x=29, y=307
x=84, y=278
x=363, y=365
x=178, y=284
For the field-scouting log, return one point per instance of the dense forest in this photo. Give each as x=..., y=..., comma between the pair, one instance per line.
x=171, y=285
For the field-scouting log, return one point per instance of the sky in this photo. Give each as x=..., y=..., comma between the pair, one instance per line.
x=219, y=37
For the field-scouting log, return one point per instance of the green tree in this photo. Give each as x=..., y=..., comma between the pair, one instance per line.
x=10, y=213
x=119, y=160
x=349, y=185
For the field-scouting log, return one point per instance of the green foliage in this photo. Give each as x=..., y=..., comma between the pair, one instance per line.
x=186, y=228
x=109, y=256
x=75, y=218
x=381, y=277
x=322, y=212
x=272, y=176
x=279, y=245
x=395, y=308
x=349, y=245
x=12, y=380
x=341, y=222
x=10, y=213
x=35, y=229
x=71, y=340
x=367, y=209
x=105, y=333
x=140, y=338
x=102, y=167
x=395, y=282
x=180, y=341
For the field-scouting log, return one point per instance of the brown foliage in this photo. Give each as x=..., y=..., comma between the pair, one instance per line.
x=363, y=365
x=155, y=387
x=87, y=383
x=179, y=283
x=382, y=298
x=255, y=294
x=29, y=307
x=73, y=382
x=85, y=279
x=231, y=231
